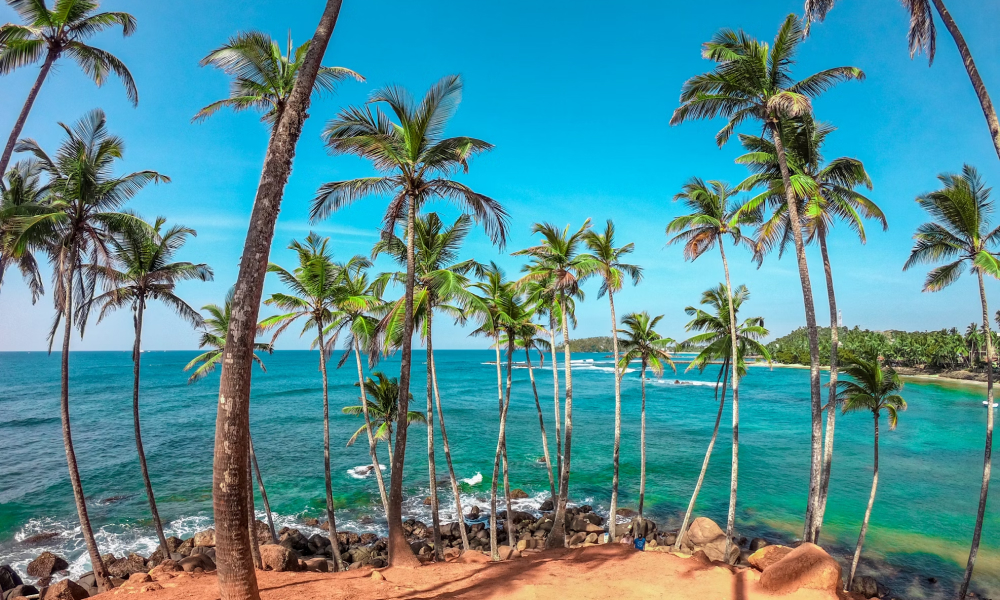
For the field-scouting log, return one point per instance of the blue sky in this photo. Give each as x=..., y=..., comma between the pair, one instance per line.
x=577, y=97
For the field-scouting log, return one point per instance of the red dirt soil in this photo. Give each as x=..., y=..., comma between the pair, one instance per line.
x=602, y=572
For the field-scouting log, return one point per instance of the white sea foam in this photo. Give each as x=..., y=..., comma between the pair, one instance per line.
x=475, y=479
x=363, y=471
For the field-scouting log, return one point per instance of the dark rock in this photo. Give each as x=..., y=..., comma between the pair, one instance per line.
x=20, y=590
x=368, y=538
x=294, y=540
x=577, y=538
x=518, y=494
x=348, y=538
x=757, y=543
x=546, y=506
x=642, y=528
x=865, y=585
x=125, y=567
x=628, y=513
x=46, y=565
x=474, y=512
x=519, y=516
x=173, y=543
x=40, y=538
x=932, y=580
x=196, y=561
x=9, y=579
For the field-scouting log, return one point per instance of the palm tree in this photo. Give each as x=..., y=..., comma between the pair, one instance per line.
x=528, y=340
x=716, y=339
x=922, y=37
x=960, y=232
x=440, y=279
x=558, y=262
x=613, y=273
x=21, y=198
x=415, y=161
x=754, y=81
x=712, y=218
x=237, y=580
x=383, y=407
x=311, y=286
x=873, y=389
x=263, y=76
x=826, y=192
x=141, y=271
x=644, y=344
x=52, y=34
x=77, y=225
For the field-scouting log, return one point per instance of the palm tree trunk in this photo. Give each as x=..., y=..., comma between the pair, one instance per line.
x=970, y=67
x=613, y=512
x=136, y=353
x=555, y=388
x=541, y=421
x=501, y=439
x=503, y=446
x=100, y=572
x=831, y=405
x=237, y=580
x=734, y=339
x=506, y=471
x=331, y=517
x=252, y=522
x=263, y=492
x=815, y=400
x=557, y=537
x=988, y=453
x=431, y=467
x=372, y=447
x=447, y=456
x=642, y=441
x=723, y=372
x=50, y=59
x=868, y=514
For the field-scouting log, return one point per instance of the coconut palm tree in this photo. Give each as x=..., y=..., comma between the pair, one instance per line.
x=642, y=343
x=961, y=233
x=613, y=272
x=383, y=407
x=872, y=388
x=559, y=262
x=263, y=77
x=716, y=342
x=527, y=339
x=83, y=214
x=48, y=35
x=141, y=270
x=827, y=192
x=312, y=286
x=415, y=162
x=712, y=218
x=753, y=81
x=22, y=197
x=237, y=579
x=922, y=37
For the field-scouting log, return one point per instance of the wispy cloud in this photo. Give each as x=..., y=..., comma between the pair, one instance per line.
x=230, y=222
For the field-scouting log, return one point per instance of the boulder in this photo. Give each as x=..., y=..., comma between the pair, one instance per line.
x=278, y=558
x=757, y=543
x=577, y=538
x=196, y=561
x=186, y=547
x=519, y=516
x=591, y=538
x=20, y=590
x=9, y=579
x=628, y=513
x=125, y=567
x=767, y=556
x=704, y=530
x=642, y=528
x=294, y=540
x=547, y=505
x=165, y=570
x=173, y=543
x=506, y=552
x=368, y=538
x=316, y=565
x=474, y=512
x=46, y=565
x=204, y=538
x=518, y=494
x=39, y=538
x=66, y=590
x=807, y=566
x=865, y=585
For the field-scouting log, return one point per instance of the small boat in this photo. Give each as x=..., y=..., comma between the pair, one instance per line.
x=986, y=403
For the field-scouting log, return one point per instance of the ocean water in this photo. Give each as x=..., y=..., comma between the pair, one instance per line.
x=921, y=526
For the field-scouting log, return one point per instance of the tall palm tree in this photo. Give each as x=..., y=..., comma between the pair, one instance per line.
x=827, y=192
x=237, y=579
x=960, y=232
x=716, y=339
x=922, y=37
x=312, y=285
x=528, y=340
x=48, y=35
x=263, y=77
x=383, y=407
x=613, y=273
x=643, y=343
x=872, y=389
x=141, y=270
x=712, y=218
x=440, y=280
x=415, y=162
x=558, y=262
x=22, y=197
x=79, y=221
x=753, y=80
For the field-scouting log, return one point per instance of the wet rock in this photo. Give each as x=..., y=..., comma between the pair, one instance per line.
x=474, y=512
x=368, y=538
x=518, y=494
x=757, y=543
x=66, y=590
x=39, y=538
x=547, y=505
x=865, y=585
x=628, y=513
x=428, y=501
x=9, y=579
x=46, y=565
x=807, y=566
x=204, y=538
x=197, y=561
x=767, y=556
x=278, y=558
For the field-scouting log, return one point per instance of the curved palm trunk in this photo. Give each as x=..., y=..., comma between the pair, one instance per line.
x=372, y=446
x=723, y=373
x=613, y=512
x=252, y=522
x=136, y=353
x=815, y=400
x=503, y=446
x=100, y=572
x=237, y=580
x=501, y=442
x=977, y=82
x=447, y=455
x=735, y=372
x=987, y=454
x=868, y=514
x=642, y=441
x=331, y=517
x=50, y=59
x=831, y=405
x=541, y=422
x=263, y=492
x=557, y=537
x=555, y=388
x=431, y=467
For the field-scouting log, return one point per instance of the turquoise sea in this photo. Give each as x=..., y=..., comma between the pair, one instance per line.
x=921, y=525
